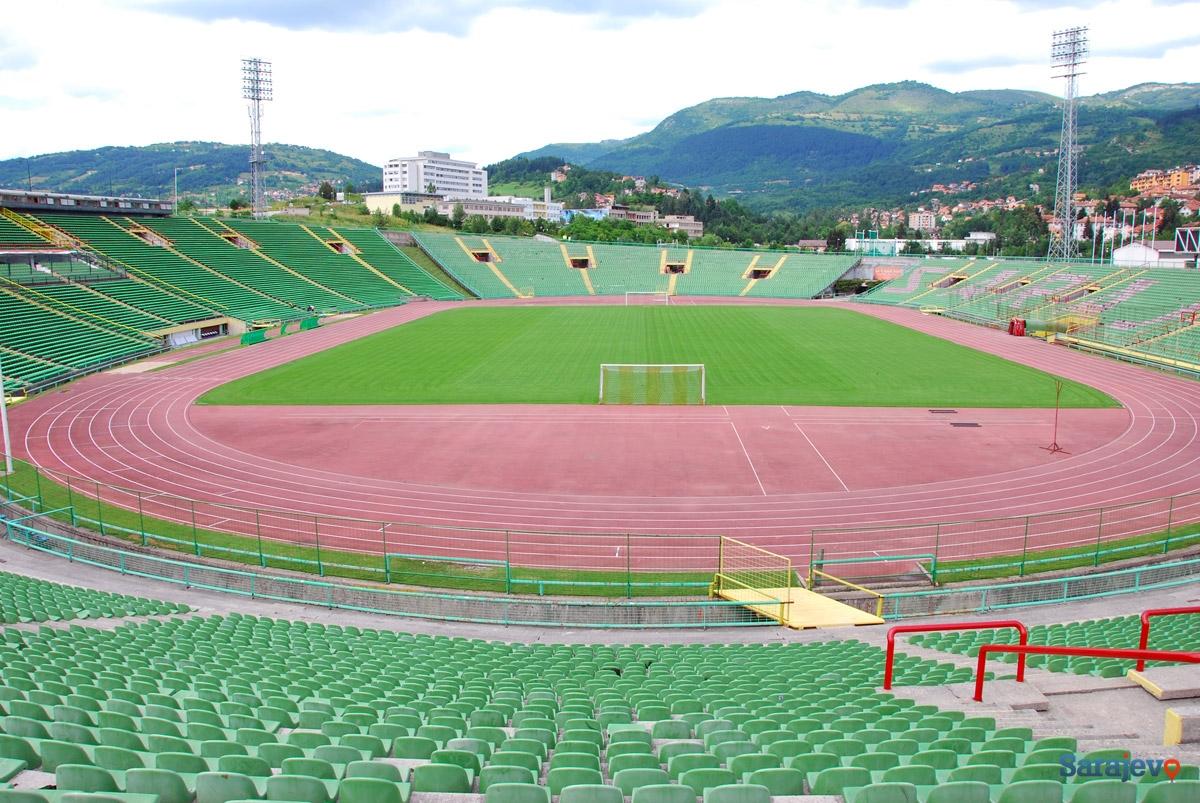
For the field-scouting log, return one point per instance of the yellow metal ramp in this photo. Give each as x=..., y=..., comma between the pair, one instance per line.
x=765, y=583
x=799, y=607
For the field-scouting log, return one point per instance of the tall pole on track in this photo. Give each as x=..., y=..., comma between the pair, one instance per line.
x=1054, y=447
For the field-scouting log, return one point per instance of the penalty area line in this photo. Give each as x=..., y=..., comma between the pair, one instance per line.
x=750, y=462
x=823, y=460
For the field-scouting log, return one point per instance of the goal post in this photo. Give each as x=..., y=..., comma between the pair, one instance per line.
x=647, y=297
x=651, y=383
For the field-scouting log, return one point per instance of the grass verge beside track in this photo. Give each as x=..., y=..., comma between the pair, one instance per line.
x=119, y=522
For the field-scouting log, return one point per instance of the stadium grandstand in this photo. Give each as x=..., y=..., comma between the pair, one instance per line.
x=512, y=267
x=201, y=600
x=1147, y=313
x=84, y=285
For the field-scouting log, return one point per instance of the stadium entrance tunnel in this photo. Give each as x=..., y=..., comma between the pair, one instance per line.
x=582, y=263
x=675, y=267
x=481, y=256
x=760, y=273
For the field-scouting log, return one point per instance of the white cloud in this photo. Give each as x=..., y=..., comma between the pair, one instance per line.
x=509, y=76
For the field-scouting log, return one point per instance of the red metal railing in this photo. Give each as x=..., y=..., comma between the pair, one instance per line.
x=998, y=623
x=1148, y=615
x=1092, y=652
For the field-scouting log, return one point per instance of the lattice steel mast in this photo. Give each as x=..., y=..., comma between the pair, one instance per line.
x=257, y=88
x=1068, y=52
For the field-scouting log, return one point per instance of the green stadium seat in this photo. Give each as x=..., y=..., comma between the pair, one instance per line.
x=664, y=793
x=494, y=774
x=223, y=787
x=1178, y=792
x=738, y=793
x=562, y=777
x=445, y=778
x=371, y=790
x=168, y=786
x=960, y=792
x=516, y=793
x=1032, y=792
x=836, y=780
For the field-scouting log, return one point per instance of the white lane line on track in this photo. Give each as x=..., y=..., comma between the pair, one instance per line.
x=747, y=454
x=836, y=476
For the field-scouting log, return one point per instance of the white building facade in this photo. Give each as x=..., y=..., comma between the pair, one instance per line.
x=452, y=178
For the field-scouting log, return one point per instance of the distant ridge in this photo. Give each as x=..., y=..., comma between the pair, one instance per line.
x=881, y=143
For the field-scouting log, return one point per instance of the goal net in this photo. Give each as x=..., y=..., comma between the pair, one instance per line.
x=622, y=383
x=647, y=297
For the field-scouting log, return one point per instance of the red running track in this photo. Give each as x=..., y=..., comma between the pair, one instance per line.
x=767, y=474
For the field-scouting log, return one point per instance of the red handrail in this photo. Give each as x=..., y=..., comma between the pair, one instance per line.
x=1094, y=652
x=1146, y=616
x=998, y=623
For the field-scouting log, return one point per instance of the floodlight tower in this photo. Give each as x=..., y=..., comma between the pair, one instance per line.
x=1068, y=52
x=257, y=88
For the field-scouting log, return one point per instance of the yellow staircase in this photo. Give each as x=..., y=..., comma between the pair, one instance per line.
x=43, y=230
x=195, y=262
x=583, y=272
x=136, y=274
x=137, y=337
x=79, y=312
x=258, y=250
x=1092, y=286
x=493, y=265
x=771, y=271
x=354, y=254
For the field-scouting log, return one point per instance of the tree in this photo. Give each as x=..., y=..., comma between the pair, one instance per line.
x=497, y=224
x=185, y=206
x=378, y=218
x=349, y=188
x=835, y=240
x=476, y=224
x=457, y=216
x=326, y=191
x=238, y=203
x=396, y=211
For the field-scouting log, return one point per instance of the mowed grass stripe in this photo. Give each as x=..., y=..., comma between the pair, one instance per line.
x=752, y=355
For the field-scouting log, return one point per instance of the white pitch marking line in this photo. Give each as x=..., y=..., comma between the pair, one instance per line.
x=748, y=460
x=823, y=460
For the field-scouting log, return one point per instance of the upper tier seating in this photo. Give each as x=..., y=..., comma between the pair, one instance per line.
x=13, y=235
x=41, y=343
x=309, y=255
x=544, y=268
x=397, y=265
x=181, y=277
x=201, y=241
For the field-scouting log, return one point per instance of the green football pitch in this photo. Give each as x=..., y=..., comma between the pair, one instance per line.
x=752, y=355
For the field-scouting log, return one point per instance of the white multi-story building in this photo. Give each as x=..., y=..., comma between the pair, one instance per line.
x=451, y=178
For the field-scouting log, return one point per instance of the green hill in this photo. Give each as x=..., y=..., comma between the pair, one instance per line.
x=882, y=143
x=210, y=171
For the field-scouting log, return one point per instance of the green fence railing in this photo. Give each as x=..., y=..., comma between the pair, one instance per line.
x=511, y=609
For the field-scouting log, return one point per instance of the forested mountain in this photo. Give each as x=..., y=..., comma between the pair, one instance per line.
x=879, y=144
x=208, y=171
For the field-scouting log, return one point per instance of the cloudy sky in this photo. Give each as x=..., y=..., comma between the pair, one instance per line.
x=381, y=78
